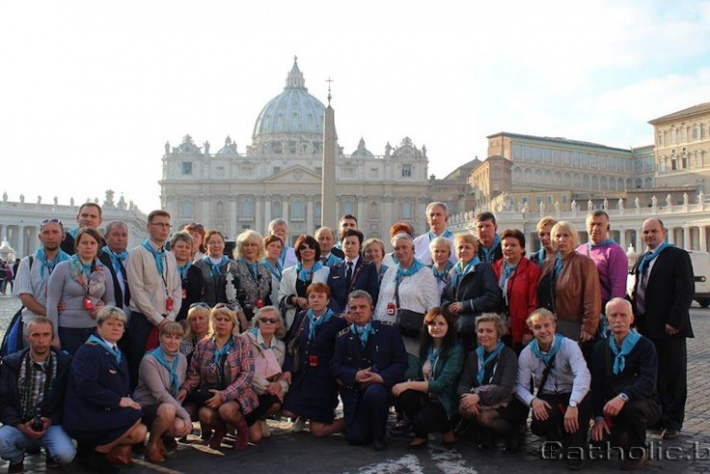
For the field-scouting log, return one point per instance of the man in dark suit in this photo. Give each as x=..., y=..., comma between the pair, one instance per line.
x=662, y=296
x=353, y=273
x=369, y=360
x=114, y=255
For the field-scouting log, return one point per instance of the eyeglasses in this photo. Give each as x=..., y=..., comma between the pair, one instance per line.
x=269, y=320
x=161, y=224
x=201, y=304
x=306, y=247
x=50, y=221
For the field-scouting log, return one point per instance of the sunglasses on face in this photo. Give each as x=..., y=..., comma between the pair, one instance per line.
x=201, y=304
x=268, y=320
x=306, y=247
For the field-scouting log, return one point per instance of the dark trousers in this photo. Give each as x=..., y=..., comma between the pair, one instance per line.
x=554, y=427
x=261, y=411
x=73, y=338
x=672, y=379
x=366, y=417
x=427, y=415
x=138, y=333
x=628, y=428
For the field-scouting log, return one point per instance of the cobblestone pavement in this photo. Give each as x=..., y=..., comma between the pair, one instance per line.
x=287, y=452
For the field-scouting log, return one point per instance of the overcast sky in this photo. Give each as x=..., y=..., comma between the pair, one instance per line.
x=92, y=90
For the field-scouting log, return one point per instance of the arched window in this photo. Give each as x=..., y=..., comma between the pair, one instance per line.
x=347, y=207
x=297, y=212
x=374, y=211
x=186, y=209
x=247, y=208
x=276, y=209
x=406, y=210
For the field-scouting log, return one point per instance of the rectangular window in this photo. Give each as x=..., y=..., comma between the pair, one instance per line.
x=220, y=171
x=406, y=171
x=186, y=167
x=277, y=169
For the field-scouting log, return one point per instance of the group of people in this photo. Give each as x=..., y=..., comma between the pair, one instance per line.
x=7, y=275
x=460, y=333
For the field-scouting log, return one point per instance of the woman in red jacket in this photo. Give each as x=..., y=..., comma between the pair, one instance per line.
x=517, y=277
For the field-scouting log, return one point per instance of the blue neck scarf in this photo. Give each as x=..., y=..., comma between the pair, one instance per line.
x=73, y=232
x=433, y=355
x=282, y=257
x=331, y=260
x=276, y=272
x=506, y=274
x=171, y=368
x=447, y=235
x=253, y=267
x=215, y=270
x=546, y=358
x=219, y=354
x=363, y=332
x=483, y=361
x=314, y=322
x=461, y=270
x=442, y=276
x=116, y=353
x=648, y=258
x=558, y=266
x=307, y=275
x=158, y=255
x=489, y=253
x=603, y=243
x=115, y=258
x=414, y=268
x=381, y=272
x=627, y=345
x=541, y=254
x=49, y=265
x=182, y=269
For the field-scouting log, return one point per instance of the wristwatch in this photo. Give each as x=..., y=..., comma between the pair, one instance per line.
x=624, y=397
x=573, y=404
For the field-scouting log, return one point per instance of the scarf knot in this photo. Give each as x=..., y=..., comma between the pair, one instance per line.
x=414, y=268
x=627, y=345
x=48, y=265
x=363, y=332
x=484, y=361
x=171, y=367
x=314, y=322
x=547, y=358
x=462, y=270
x=158, y=255
x=489, y=253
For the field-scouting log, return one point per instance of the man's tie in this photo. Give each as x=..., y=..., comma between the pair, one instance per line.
x=350, y=272
x=641, y=290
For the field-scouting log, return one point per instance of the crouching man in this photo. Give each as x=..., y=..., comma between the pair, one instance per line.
x=624, y=387
x=369, y=360
x=32, y=386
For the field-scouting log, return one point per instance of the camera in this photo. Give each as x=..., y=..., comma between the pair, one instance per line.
x=37, y=423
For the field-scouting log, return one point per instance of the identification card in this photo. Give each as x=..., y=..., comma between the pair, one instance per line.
x=88, y=304
x=259, y=303
x=313, y=360
x=169, y=303
x=184, y=293
x=391, y=309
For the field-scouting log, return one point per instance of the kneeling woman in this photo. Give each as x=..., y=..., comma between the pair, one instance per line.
x=268, y=354
x=431, y=401
x=220, y=373
x=98, y=411
x=487, y=384
x=311, y=343
x=161, y=372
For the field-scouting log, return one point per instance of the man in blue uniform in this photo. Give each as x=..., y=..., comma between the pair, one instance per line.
x=369, y=360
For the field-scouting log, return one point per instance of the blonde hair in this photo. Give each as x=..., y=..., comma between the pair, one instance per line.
x=468, y=238
x=568, y=227
x=252, y=237
x=221, y=308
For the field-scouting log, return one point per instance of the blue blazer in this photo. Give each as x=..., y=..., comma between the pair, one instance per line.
x=96, y=384
x=364, y=278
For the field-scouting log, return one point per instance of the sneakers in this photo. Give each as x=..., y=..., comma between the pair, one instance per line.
x=16, y=467
x=299, y=425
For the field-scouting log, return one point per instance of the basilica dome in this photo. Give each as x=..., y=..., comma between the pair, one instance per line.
x=292, y=114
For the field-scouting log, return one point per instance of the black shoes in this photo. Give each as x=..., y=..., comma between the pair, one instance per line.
x=380, y=443
x=16, y=467
x=670, y=433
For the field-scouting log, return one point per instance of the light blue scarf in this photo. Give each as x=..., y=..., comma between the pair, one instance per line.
x=488, y=253
x=116, y=353
x=546, y=358
x=331, y=260
x=558, y=266
x=159, y=256
x=447, y=235
x=314, y=322
x=461, y=270
x=363, y=332
x=220, y=353
x=40, y=255
x=253, y=267
x=115, y=258
x=483, y=361
x=276, y=272
x=307, y=275
x=182, y=269
x=505, y=276
x=215, y=269
x=627, y=345
x=414, y=268
x=171, y=367
x=443, y=276
x=648, y=258
x=603, y=243
x=541, y=254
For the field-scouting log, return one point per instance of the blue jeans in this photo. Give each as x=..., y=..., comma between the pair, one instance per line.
x=58, y=444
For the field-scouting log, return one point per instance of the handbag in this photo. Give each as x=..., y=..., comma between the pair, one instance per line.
x=293, y=348
x=202, y=394
x=410, y=322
